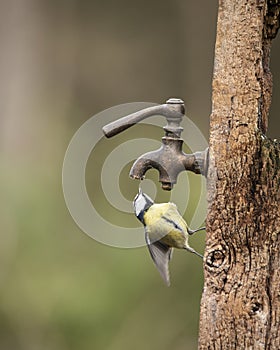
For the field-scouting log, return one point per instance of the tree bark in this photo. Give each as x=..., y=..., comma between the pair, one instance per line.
x=240, y=306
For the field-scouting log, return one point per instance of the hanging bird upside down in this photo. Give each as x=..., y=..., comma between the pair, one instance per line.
x=165, y=229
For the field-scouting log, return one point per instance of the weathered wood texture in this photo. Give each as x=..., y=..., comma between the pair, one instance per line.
x=240, y=306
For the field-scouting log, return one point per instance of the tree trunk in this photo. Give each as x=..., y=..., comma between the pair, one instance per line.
x=240, y=306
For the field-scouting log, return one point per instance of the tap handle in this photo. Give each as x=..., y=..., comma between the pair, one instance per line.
x=174, y=110
x=126, y=122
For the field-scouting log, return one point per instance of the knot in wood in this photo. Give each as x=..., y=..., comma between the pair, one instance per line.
x=256, y=307
x=216, y=259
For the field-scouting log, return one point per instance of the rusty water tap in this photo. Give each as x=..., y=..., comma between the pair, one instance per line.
x=169, y=159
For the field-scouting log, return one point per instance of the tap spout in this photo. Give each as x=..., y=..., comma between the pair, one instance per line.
x=153, y=160
x=170, y=161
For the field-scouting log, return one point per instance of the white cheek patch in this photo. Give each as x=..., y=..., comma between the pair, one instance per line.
x=139, y=205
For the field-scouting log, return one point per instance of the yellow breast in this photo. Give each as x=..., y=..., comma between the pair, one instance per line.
x=163, y=222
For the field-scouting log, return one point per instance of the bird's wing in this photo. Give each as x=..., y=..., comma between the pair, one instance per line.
x=161, y=254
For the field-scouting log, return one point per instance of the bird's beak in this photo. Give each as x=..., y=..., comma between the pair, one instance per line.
x=137, y=196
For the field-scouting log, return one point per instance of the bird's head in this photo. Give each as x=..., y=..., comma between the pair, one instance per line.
x=141, y=203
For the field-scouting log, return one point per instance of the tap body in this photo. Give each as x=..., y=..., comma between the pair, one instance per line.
x=169, y=159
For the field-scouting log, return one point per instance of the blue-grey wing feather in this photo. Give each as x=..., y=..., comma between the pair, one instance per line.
x=161, y=254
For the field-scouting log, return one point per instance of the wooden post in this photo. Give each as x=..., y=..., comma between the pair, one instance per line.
x=240, y=306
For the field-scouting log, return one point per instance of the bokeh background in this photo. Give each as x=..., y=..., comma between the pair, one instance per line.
x=62, y=62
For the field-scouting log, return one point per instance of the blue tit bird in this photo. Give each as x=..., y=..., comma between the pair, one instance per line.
x=165, y=229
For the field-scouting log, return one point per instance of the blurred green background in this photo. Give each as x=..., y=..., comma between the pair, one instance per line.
x=62, y=62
